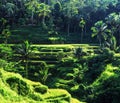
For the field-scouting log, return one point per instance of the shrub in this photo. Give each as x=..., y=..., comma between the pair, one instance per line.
x=118, y=50
x=3, y=63
x=68, y=61
x=106, y=89
x=18, y=85
x=21, y=21
x=52, y=33
x=78, y=52
x=54, y=40
x=5, y=52
x=8, y=66
x=36, y=96
x=40, y=72
x=40, y=89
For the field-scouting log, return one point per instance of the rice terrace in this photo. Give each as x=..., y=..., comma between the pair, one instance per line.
x=59, y=51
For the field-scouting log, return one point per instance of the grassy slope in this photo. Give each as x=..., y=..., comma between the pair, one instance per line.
x=106, y=88
x=15, y=89
x=36, y=34
x=98, y=86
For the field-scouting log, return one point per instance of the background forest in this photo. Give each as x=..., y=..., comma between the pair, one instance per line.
x=59, y=51
x=60, y=17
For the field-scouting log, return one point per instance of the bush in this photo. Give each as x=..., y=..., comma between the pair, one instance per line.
x=118, y=50
x=54, y=40
x=18, y=85
x=108, y=53
x=21, y=21
x=52, y=33
x=39, y=73
x=8, y=66
x=5, y=52
x=36, y=97
x=68, y=61
x=78, y=52
x=80, y=91
x=106, y=89
x=3, y=63
x=40, y=89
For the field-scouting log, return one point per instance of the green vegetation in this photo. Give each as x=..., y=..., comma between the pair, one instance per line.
x=59, y=51
x=107, y=83
x=14, y=88
x=60, y=66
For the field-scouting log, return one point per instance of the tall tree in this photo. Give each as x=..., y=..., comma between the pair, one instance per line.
x=25, y=50
x=32, y=6
x=113, y=20
x=70, y=10
x=82, y=25
x=43, y=11
x=99, y=30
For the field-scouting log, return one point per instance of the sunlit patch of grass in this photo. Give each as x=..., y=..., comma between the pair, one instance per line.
x=105, y=74
x=73, y=100
x=57, y=95
x=38, y=93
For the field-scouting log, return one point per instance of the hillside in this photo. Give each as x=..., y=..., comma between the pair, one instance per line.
x=85, y=71
x=15, y=89
x=59, y=51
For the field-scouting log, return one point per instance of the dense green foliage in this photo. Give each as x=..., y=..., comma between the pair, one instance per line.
x=76, y=68
x=58, y=16
x=42, y=60
x=15, y=89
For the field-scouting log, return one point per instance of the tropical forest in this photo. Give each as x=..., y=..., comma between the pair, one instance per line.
x=59, y=51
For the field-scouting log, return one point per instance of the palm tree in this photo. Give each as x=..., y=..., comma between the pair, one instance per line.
x=10, y=11
x=31, y=6
x=99, y=30
x=82, y=25
x=113, y=20
x=70, y=10
x=25, y=50
x=43, y=11
x=6, y=34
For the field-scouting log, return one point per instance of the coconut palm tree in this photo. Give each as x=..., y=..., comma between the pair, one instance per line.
x=82, y=25
x=113, y=20
x=31, y=6
x=43, y=11
x=99, y=30
x=25, y=50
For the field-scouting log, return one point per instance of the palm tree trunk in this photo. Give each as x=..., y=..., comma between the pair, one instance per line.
x=43, y=18
x=85, y=29
x=68, y=29
x=26, y=68
x=43, y=21
x=82, y=36
x=32, y=17
x=5, y=42
x=99, y=41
